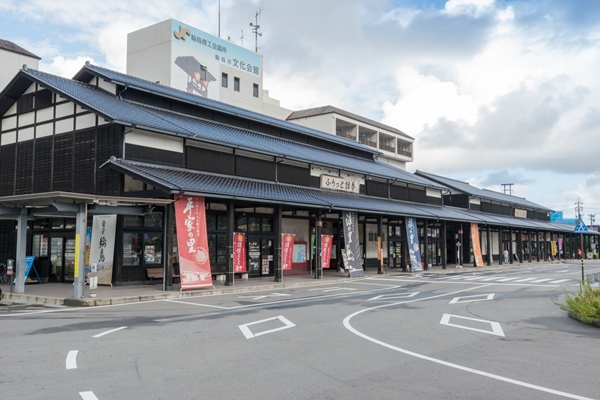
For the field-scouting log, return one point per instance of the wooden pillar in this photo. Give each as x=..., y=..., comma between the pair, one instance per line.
x=230, y=274
x=278, y=230
x=318, y=232
x=444, y=244
x=380, y=243
x=500, y=251
x=425, y=246
x=488, y=236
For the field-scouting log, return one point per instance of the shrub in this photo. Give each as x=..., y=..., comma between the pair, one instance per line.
x=585, y=306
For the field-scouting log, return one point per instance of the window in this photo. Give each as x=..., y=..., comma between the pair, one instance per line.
x=224, y=79
x=236, y=84
x=255, y=90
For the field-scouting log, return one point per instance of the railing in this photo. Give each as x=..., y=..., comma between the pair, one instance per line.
x=346, y=135
x=387, y=147
x=370, y=143
x=405, y=153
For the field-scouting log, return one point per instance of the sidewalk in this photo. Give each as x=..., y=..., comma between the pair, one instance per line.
x=61, y=294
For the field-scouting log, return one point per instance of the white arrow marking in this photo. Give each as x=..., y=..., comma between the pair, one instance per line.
x=471, y=298
x=496, y=328
x=88, y=396
x=249, y=335
x=107, y=332
x=394, y=296
x=264, y=296
x=72, y=359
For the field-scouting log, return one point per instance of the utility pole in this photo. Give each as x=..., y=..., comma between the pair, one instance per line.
x=255, y=27
x=579, y=209
x=591, y=218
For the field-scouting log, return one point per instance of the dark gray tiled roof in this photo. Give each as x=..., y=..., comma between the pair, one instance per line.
x=154, y=119
x=466, y=188
x=167, y=91
x=180, y=180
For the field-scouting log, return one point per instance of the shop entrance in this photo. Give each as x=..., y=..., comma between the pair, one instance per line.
x=62, y=258
x=395, y=253
x=260, y=256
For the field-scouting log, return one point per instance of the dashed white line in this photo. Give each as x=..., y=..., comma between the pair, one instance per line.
x=88, y=396
x=107, y=332
x=72, y=359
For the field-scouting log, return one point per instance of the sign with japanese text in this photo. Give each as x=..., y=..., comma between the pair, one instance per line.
x=553, y=248
x=239, y=252
x=413, y=244
x=192, y=242
x=287, y=250
x=352, y=258
x=326, y=241
x=102, y=247
x=520, y=213
x=476, y=244
x=337, y=183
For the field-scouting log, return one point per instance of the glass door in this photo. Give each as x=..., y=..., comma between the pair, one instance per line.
x=254, y=267
x=266, y=254
x=62, y=259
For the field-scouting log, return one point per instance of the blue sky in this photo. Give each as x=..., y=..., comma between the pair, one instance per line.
x=493, y=91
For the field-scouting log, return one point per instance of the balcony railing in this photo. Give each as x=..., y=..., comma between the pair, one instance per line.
x=370, y=143
x=346, y=135
x=387, y=147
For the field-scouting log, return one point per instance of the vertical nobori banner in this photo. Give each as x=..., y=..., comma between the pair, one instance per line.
x=287, y=250
x=239, y=252
x=475, y=243
x=326, y=241
x=102, y=247
x=353, y=257
x=192, y=242
x=413, y=244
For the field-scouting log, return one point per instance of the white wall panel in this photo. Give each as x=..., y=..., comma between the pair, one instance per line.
x=43, y=130
x=45, y=114
x=65, y=125
x=8, y=138
x=9, y=123
x=154, y=140
x=25, y=134
x=26, y=119
x=85, y=121
x=64, y=110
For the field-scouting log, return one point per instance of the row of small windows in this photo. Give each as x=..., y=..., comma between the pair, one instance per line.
x=236, y=84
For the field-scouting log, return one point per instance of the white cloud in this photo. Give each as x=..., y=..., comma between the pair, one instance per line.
x=473, y=8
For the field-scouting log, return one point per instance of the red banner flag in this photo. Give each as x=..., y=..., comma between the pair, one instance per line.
x=192, y=241
x=326, y=242
x=239, y=252
x=287, y=249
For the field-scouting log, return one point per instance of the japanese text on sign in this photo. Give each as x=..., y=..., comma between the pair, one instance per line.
x=337, y=183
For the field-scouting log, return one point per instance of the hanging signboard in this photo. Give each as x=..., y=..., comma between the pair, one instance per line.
x=192, y=242
x=413, y=244
x=352, y=258
x=475, y=243
x=339, y=183
x=102, y=247
x=287, y=250
x=239, y=252
x=326, y=241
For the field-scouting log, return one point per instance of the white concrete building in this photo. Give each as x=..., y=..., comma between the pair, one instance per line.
x=12, y=58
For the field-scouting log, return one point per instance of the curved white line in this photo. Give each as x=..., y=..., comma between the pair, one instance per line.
x=107, y=332
x=445, y=363
x=72, y=359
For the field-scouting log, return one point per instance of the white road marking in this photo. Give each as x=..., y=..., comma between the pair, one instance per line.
x=333, y=289
x=72, y=359
x=88, y=396
x=560, y=281
x=196, y=304
x=249, y=335
x=107, y=332
x=496, y=328
x=472, y=298
x=525, y=280
x=446, y=363
x=394, y=296
x=264, y=296
x=494, y=278
x=542, y=280
x=508, y=279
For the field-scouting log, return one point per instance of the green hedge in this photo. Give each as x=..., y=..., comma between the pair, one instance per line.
x=585, y=305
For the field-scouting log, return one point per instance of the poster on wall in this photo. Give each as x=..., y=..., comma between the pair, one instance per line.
x=352, y=257
x=287, y=251
x=239, y=252
x=102, y=247
x=192, y=242
x=413, y=244
x=476, y=244
x=553, y=248
x=326, y=241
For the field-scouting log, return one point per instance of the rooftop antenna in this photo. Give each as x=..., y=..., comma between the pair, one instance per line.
x=219, y=19
x=242, y=38
x=255, y=27
x=507, y=188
